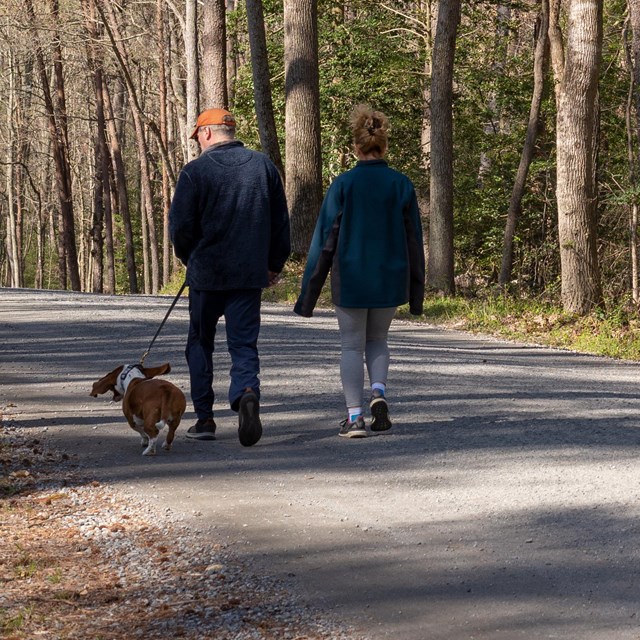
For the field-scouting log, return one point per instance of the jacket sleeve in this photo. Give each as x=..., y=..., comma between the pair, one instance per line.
x=184, y=224
x=280, y=246
x=413, y=228
x=321, y=253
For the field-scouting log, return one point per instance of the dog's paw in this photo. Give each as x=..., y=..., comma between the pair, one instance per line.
x=149, y=452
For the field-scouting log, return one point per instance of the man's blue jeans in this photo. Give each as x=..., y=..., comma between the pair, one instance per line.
x=241, y=311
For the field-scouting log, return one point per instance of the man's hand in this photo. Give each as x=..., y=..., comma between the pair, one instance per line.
x=273, y=278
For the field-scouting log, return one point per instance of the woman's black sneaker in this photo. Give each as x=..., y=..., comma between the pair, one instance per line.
x=355, y=429
x=380, y=420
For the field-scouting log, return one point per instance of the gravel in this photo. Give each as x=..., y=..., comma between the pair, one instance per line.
x=504, y=504
x=165, y=579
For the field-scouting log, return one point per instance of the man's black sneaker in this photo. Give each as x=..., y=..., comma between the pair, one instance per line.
x=355, y=429
x=204, y=429
x=380, y=420
x=249, y=425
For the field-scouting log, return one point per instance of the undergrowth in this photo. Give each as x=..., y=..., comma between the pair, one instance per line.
x=613, y=331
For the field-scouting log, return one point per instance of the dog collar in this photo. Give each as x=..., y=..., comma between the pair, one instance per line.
x=128, y=373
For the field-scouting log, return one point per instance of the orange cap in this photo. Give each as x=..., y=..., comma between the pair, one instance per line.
x=213, y=116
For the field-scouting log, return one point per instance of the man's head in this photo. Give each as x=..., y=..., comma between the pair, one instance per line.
x=214, y=125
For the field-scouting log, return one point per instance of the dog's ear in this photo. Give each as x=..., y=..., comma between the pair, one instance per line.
x=152, y=372
x=108, y=383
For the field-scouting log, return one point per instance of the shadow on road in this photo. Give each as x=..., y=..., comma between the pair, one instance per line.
x=505, y=500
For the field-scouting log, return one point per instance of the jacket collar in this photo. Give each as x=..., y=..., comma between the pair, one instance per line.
x=370, y=163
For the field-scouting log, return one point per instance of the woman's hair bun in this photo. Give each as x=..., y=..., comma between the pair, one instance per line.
x=370, y=129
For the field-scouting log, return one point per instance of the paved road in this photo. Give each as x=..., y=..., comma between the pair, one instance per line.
x=504, y=505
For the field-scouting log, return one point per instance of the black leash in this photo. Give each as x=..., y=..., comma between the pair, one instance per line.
x=173, y=304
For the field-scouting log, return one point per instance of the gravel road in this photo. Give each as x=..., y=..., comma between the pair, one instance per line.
x=503, y=505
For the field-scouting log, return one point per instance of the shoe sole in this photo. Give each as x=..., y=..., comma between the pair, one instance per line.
x=201, y=436
x=250, y=427
x=361, y=433
x=379, y=416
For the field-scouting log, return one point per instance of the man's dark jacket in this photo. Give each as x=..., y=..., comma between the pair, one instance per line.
x=229, y=221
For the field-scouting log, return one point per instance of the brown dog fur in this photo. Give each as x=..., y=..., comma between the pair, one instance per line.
x=147, y=404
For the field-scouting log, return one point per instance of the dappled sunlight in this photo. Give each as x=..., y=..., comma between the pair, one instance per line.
x=507, y=483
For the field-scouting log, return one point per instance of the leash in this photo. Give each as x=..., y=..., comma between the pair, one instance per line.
x=173, y=304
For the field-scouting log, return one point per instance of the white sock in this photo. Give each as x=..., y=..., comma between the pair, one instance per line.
x=354, y=412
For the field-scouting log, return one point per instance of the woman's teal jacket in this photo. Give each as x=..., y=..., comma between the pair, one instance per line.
x=369, y=236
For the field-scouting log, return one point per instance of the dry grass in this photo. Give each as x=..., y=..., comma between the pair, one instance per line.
x=57, y=584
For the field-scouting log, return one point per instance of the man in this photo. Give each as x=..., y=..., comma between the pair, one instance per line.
x=229, y=225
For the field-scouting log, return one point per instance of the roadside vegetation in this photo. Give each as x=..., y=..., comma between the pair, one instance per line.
x=612, y=331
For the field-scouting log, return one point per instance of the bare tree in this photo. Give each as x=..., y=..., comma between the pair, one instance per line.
x=163, y=99
x=440, y=273
x=12, y=238
x=117, y=41
x=57, y=120
x=121, y=191
x=190, y=35
x=303, y=168
x=101, y=192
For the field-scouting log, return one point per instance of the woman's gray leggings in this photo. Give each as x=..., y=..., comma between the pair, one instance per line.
x=363, y=334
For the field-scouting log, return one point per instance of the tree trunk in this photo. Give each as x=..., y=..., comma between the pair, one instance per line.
x=117, y=41
x=493, y=125
x=262, y=83
x=440, y=274
x=12, y=239
x=191, y=58
x=121, y=192
x=576, y=76
x=166, y=189
x=61, y=117
x=303, y=167
x=430, y=11
x=99, y=178
x=232, y=60
x=633, y=62
x=515, y=205
x=56, y=116
x=214, y=55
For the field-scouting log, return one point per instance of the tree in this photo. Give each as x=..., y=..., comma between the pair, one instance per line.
x=163, y=100
x=214, y=55
x=102, y=228
x=515, y=205
x=633, y=134
x=121, y=191
x=303, y=162
x=576, y=70
x=262, y=83
x=440, y=273
x=57, y=120
x=152, y=266
x=13, y=239
x=190, y=35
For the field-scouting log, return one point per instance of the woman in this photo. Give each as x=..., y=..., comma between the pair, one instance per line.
x=369, y=236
